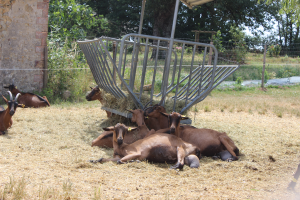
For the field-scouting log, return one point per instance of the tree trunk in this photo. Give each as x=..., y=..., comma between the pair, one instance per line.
x=296, y=35
x=162, y=27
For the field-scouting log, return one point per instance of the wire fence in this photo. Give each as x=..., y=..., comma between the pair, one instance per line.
x=67, y=67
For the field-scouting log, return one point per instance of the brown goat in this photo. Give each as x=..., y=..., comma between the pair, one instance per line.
x=96, y=94
x=106, y=138
x=28, y=99
x=210, y=142
x=6, y=115
x=158, y=147
x=156, y=121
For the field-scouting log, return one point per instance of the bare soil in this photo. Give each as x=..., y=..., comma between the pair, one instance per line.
x=49, y=149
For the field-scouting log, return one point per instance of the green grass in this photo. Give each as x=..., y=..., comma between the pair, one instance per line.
x=279, y=101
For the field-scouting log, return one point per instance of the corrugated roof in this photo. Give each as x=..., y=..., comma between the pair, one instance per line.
x=191, y=3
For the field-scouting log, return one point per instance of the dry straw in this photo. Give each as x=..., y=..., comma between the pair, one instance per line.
x=127, y=103
x=48, y=149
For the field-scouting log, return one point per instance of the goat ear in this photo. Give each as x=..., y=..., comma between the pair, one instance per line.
x=164, y=114
x=131, y=128
x=183, y=117
x=22, y=106
x=111, y=128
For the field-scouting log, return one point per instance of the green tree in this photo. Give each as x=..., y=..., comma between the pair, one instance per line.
x=68, y=18
x=239, y=45
x=290, y=7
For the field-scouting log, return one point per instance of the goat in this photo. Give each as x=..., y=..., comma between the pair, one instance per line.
x=28, y=99
x=6, y=115
x=210, y=142
x=157, y=147
x=96, y=94
x=155, y=122
x=106, y=138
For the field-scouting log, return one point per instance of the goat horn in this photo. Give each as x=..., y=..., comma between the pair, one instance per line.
x=10, y=95
x=147, y=104
x=16, y=99
x=162, y=100
x=91, y=87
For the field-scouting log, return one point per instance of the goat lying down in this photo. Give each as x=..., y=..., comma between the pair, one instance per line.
x=106, y=138
x=157, y=147
x=210, y=142
x=6, y=114
x=28, y=99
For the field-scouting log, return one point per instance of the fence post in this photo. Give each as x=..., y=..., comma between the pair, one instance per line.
x=210, y=54
x=114, y=49
x=263, y=70
x=45, y=78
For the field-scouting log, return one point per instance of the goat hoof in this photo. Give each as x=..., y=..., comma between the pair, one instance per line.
x=120, y=162
x=177, y=166
x=229, y=160
x=215, y=157
x=96, y=161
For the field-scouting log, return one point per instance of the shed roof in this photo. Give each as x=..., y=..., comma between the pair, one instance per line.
x=192, y=3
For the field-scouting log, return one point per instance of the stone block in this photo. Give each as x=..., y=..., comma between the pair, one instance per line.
x=40, y=35
x=45, y=13
x=42, y=28
x=42, y=5
x=39, y=64
x=42, y=20
x=38, y=78
x=40, y=49
x=44, y=42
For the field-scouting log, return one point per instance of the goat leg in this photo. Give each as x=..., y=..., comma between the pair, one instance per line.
x=178, y=165
x=229, y=148
x=96, y=161
x=103, y=160
x=131, y=157
x=180, y=158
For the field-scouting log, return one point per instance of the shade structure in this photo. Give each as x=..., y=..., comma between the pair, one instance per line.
x=192, y=3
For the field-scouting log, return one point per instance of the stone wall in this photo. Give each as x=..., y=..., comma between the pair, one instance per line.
x=23, y=40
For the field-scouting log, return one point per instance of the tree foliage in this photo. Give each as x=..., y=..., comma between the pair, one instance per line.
x=290, y=7
x=68, y=18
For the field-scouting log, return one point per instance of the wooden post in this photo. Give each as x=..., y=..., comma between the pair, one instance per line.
x=263, y=70
x=45, y=75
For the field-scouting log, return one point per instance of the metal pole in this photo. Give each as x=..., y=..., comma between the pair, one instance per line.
x=210, y=54
x=263, y=70
x=142, y=16
x=167, y=67
x=114, y=49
